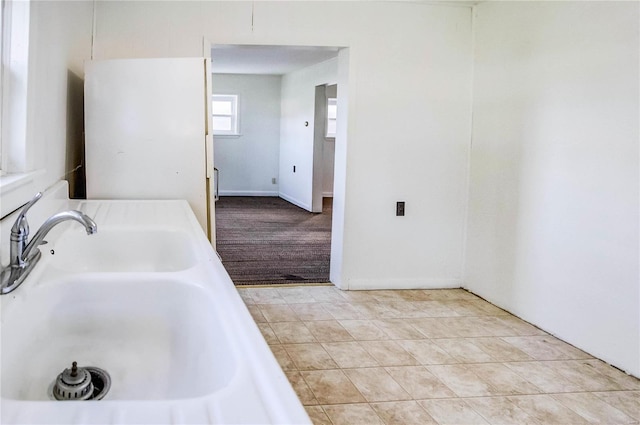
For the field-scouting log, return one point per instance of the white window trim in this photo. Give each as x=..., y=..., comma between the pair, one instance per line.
x=327, y=119
x=19, y=181
x=235, y=115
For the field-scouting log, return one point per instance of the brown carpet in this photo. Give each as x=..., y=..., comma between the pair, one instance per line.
x=265, y=240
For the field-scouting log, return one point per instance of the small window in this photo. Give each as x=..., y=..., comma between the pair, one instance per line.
x=332, y=115
x=224, y=108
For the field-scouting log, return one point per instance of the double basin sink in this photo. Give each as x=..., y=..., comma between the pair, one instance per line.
x=116, y=300
x=147, y=300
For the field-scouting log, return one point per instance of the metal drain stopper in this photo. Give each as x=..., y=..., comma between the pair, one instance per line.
x=73, y=384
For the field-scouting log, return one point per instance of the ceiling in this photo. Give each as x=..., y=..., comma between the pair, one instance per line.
x=266, y=60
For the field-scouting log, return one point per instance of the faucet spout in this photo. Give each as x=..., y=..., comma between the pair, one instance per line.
x=24, y=256
x=90, y=226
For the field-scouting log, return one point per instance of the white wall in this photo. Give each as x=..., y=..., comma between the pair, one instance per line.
x=296, y=140
x=553, y=212
x=248, y=162
x=59, y=41
x=421, y=61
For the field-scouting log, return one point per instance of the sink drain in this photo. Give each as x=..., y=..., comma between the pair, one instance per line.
x=81, y=383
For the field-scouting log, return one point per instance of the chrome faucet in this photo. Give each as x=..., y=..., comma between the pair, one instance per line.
x=23, y=254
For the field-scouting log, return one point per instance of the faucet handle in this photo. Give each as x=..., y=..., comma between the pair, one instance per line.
x=21, y=222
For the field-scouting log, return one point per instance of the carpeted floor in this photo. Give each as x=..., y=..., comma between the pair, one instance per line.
x=265, y=240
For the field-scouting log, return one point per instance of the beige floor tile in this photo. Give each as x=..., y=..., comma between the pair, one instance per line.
x=266, y=296
x=452, y=412
x=583, y=375
x=412, y=343
x=427, y=352
x=301, y=388
x=420, y=309
x=462, y=381
x=332, y=387
x=398, y=329
x=625, y=401
x=317, y=415
x=341, y=311
x=373, y=310
x=593, y=409
x=403, y=413
x=436, y=328
x=500, y=411
x=358, y=296
x=375, y=384
x=352, y=414
x=389, y=353
x=543, y=377
x=268, y=333
x=349, y=354
x=386, y=296
x=519, y=326
x=621, y=379
x=502, y=379
x=466, y=327
x=245, y=294
x=292, y=332
x=363, y=330
x=257, y=315
x=501, y=350
x=546, y=410
x=328, y=331
x=309, y=312
x=433, y=308
x=285, y=361
x=463, y=307
x=481, y=326
x=416, y=295
x=310, y=356
x=461, y=294
x=325, y=294
x=419, y=382
x=295, y=295
x=278, y=313
x=448, y=294
x=538, y=347
x=463, y=350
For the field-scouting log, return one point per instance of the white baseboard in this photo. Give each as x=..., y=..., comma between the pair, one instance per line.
x=366, y=284
x=327, y=194
x=295, y=201
x=247, y=193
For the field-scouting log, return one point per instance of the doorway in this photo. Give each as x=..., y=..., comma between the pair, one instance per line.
x=275, y=209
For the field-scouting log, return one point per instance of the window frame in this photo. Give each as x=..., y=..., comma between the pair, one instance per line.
x=331, y=101
x=234, y=116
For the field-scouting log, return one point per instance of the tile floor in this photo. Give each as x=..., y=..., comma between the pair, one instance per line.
x=431, y=357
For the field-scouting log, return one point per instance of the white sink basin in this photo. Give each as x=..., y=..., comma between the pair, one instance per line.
x=122, y=250
x=138, y=330
x=147, y=300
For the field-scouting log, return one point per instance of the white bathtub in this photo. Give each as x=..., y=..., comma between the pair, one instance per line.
x=149, y=301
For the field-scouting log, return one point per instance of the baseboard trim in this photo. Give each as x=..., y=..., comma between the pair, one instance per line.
x=370, y=284
x=295, y=201
x=327, y=194
x=247, y=193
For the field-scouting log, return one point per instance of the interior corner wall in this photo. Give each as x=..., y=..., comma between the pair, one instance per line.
x=553, y=206
x=296, y=137
x=247, y=163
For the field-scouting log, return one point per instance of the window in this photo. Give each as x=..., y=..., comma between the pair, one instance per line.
x=332, y=115
x=224, y=108
x=3, y=38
